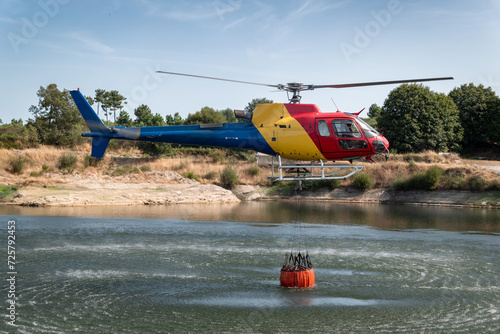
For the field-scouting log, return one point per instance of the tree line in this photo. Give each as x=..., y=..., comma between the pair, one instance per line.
x=413, y=118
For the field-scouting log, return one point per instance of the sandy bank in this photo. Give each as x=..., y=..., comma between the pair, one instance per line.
x=148, y=188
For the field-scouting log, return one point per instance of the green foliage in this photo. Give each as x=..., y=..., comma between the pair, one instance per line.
x=7, y=191
x=427, y=180
x=415, y=119
x=479, y=113
x=228, y=177
x=190, y=175
x=124, y=119
x=144, y=117
x=211, y=175
x=45, y=169
x=174, y=120
x=362, y=181
x=217, y=155
x=56, y=119
x=253, y=171
x=374, y=111
x=494, y=185
x=110, y=102
x=17, y=164
x=154, y=149
x=453, y=179
x=91, y=161
x=314, y=185
x=282, y=188
x=125, y=170
x=476, y=183
x=17, y=136
x=67, y=160
x=145, y=168
x=206, y=116
x=255, y=102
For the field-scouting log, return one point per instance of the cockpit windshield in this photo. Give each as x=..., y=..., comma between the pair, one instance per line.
x=368, y=130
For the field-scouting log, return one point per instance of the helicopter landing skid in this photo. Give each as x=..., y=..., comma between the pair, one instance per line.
x=306, y=172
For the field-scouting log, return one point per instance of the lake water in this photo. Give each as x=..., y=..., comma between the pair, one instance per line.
x=215, y=269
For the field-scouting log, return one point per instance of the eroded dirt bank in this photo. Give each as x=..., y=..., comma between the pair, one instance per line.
x=92, y=189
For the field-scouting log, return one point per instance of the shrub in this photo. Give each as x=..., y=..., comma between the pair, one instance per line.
x=253, y=171
x=67, y=160
x=321, y=184
x=211, y=175
x=453, y=179
x=432, y=177
x=362, y=181
x=282, y=188
x=494, y=186
x=7, y=191
x=228, y=177
x=145, y=168
x=190, y=175
x=17, y=164
x=154, y=149
x=475, y=183
x=333, y=184
x=427, y=180
x=126, y=169
x=91, y=161
x=217, y=155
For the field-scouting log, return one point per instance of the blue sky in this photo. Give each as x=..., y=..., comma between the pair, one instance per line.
x=118, y=45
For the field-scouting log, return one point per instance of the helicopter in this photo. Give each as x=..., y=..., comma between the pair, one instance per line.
x=294, y=131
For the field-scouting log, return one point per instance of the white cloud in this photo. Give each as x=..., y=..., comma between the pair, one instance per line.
x=188, y=11
x=91, y=44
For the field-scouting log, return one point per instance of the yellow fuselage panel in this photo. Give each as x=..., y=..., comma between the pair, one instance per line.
x=284, y=134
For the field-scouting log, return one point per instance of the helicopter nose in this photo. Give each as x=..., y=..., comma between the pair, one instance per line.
x=386, y=142
x=380, y=144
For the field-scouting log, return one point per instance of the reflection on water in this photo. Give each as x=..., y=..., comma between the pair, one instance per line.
x=377, y=216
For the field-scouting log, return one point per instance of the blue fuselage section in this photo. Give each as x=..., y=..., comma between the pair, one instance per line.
x=229, y=135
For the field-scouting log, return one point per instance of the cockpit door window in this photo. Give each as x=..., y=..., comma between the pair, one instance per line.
x=346, y=128
x=349, y=135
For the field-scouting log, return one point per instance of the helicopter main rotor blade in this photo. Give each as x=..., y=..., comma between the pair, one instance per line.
x=221, y=79
x=376, y=83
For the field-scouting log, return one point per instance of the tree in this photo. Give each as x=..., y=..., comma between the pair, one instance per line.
x=111, y=101
x=229, y=116
x=144, y=117
x=205, y=116
x=124, y=119
x=100, y=98
x=115, y=101
x=374, y=111
x=56, y=119
x=255, y=102
x=174, y=120
x=17, y=136
x=414, y=119
x=479, y=113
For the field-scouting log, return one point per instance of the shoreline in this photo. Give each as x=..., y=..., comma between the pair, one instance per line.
x=185, y=191
x=133, y=180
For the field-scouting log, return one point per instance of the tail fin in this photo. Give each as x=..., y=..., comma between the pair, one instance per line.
x=94, y=123
x=99, y=146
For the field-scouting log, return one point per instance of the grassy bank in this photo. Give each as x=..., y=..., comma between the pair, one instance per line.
x=427, y=171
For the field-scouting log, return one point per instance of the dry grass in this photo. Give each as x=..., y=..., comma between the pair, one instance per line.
x=383, y=173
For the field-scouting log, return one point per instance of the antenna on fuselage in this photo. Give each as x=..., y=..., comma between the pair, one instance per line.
x=335, y=104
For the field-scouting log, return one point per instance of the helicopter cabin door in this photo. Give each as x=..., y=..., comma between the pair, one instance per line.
x=326, y=135
x=349, y=136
